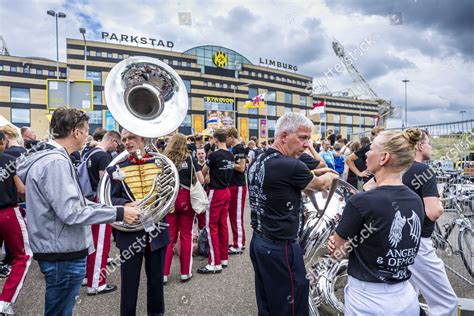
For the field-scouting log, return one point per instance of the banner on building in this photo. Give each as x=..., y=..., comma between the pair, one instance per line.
x=198, y=123
x=263, y=128
x=218, y=103
x=109, y=121
x=244, y=127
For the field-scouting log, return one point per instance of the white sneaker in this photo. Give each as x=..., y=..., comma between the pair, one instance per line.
x=224, y=263
x=84, y=282
x=165, y=279
x=186, y=277
x=6, y=308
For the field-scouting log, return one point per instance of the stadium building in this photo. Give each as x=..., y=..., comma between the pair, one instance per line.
x=219, y=81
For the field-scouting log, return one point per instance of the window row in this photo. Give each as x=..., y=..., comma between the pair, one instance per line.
x=276, y=78
x=121, y=56
x=32, y=71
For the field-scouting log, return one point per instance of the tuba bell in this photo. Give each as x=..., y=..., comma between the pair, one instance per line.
x=149, y=99
x=326, y=276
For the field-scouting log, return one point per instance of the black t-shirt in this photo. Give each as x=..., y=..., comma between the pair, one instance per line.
x=383, y=228
x=8, y=193
x=31, y=143
x=309, y=161
x=422, y=179
x=209, y=148
x=361, y=154
x=98, y=161
x=192, y=149
x=275, y=182
x=221, y=166
x=185, y=171
x=238, y=178
x=15, y=151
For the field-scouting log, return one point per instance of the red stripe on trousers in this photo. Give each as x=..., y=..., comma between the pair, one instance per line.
x=100, y=271
x=181, y=222
x=217, y=225
x=17, y=243
x=233, y=208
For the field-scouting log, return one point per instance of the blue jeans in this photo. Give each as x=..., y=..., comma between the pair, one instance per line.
x=63, y=282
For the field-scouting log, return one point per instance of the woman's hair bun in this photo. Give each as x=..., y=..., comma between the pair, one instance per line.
x=413, y=135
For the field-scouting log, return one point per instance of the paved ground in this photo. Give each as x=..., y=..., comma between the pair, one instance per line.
x=228, y=293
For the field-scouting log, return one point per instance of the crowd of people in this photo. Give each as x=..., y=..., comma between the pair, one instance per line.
x=65, y=228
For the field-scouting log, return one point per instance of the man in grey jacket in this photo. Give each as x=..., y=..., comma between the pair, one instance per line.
x=58, y=215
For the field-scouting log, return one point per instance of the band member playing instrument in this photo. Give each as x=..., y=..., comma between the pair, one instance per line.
x=276, y=179
x=238, y=192
x=133, y=179
x=428, y=273
x=381, y=229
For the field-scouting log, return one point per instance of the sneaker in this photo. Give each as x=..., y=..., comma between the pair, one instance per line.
x=209, y=269
x=110, y=261
x=224, y=263
x=165, y=279
x=5, y=271
x=186, y=277
x=234, y=251
x=104, y=289
x=6, y=308
x=84, y=282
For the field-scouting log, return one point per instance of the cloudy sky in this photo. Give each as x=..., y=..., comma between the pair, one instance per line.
x=429, y=42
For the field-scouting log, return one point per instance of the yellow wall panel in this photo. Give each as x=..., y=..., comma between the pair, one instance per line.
x=5, y=112
x=39, y=122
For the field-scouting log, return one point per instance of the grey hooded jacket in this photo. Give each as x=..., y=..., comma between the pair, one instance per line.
x=58, y=215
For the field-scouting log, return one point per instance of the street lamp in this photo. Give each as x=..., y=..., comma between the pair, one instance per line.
x=406, y=110
x=462, y=114
x=83, y=32
x=57, y=15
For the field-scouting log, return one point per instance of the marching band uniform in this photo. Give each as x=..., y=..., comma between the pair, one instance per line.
x=138, y=177
x=382, y=230
x=13, y=232
x=238, y=193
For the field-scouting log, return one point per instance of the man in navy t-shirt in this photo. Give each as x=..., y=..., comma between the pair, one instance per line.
x=275, y=181
x=220, y=165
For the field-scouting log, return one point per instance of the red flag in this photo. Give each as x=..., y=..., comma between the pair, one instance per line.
x=317, y=108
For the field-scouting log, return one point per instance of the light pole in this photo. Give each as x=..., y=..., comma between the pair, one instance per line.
x=57, y=15
x=406, y=109
x=83, y=32
x=462, y=118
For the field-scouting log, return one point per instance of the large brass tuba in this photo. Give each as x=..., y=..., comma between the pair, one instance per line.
x=149, y=99
x=326, y=275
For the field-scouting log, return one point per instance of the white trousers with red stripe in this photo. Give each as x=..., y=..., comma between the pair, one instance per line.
x=97, y=261
x=13, y=233
x=236, y=215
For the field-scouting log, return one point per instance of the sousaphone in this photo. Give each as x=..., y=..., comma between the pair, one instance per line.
x=149, y=99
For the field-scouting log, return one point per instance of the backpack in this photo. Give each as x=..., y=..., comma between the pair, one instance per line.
x=83, y=175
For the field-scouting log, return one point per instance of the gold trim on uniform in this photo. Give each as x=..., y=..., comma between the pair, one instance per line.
x=139, y=178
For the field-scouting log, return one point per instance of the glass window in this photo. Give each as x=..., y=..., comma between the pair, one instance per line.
x=20, y=116
x=218, y=85
x=287, y=109
x=51, y=73
x=104, y=54
x=349, y=119
x=63, y=74
x=337, y=119
x=95, y=76
x=253, y=74
x=302, y=100
x=224, y=85
x=95, y=117
x=26, y=70
x=92, y=53
x=271, y=125
x=187, y=121
x=253, y=92
x=271, y=110
x=109, y=55
x=120, y=56
x=288, y=98
x=349, y=132
x=259, y=75
x=187, y=83
x=20, y=95
x=265, y=76
x=188, y=64
x=1, y=67
x=97, y=97
x=13, y=68
x=253, y=111
x=337, y=130
x=371, y=121
x=271, y=95
x=253, y=123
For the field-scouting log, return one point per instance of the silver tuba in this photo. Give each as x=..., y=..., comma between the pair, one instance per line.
x=149, y=99
x=326, y=275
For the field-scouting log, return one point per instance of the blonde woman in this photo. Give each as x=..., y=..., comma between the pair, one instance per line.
x=181, y=220
x=381, y=230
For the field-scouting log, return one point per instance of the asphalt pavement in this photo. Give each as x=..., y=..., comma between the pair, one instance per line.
x=228, y=293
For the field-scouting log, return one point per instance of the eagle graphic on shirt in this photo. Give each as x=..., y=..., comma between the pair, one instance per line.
x=398, y=223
